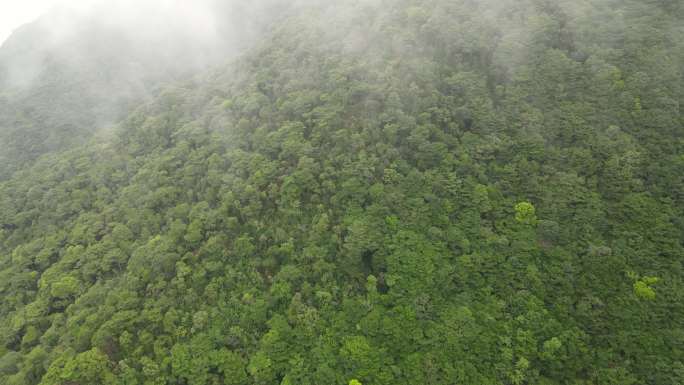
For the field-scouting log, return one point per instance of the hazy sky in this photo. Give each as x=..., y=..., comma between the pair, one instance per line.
x=197, y=14
x=14, y=13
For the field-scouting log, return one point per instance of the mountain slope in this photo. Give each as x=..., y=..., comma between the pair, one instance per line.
x=74, y=73
x=430, y=192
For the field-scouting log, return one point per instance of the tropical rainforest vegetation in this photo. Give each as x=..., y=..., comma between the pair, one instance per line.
x=375, y=192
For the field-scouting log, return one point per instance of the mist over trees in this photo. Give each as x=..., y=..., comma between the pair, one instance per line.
x=78, y=71
x=353, y=192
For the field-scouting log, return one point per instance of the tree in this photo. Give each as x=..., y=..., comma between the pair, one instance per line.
x=525, y=213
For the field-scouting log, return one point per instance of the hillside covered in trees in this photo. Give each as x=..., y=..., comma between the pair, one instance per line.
x=74, y=73
x=372, y=192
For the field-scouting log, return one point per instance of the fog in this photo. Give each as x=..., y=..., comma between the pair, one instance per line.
x=83, y=65
x=157, y=35
x=13, y=14
x=193, y=15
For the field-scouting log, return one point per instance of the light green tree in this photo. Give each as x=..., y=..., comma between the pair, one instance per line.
x=525, y=213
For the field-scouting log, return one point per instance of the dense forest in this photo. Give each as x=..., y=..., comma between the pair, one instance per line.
x=370, y=192
x=72, y=74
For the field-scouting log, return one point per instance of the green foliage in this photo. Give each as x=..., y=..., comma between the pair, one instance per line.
x=643, y=289
x=91, y=367
x=525, y=213
x=345, y=203
x=64, y=288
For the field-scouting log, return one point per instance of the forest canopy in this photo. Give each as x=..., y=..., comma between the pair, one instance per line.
x=372, y=192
